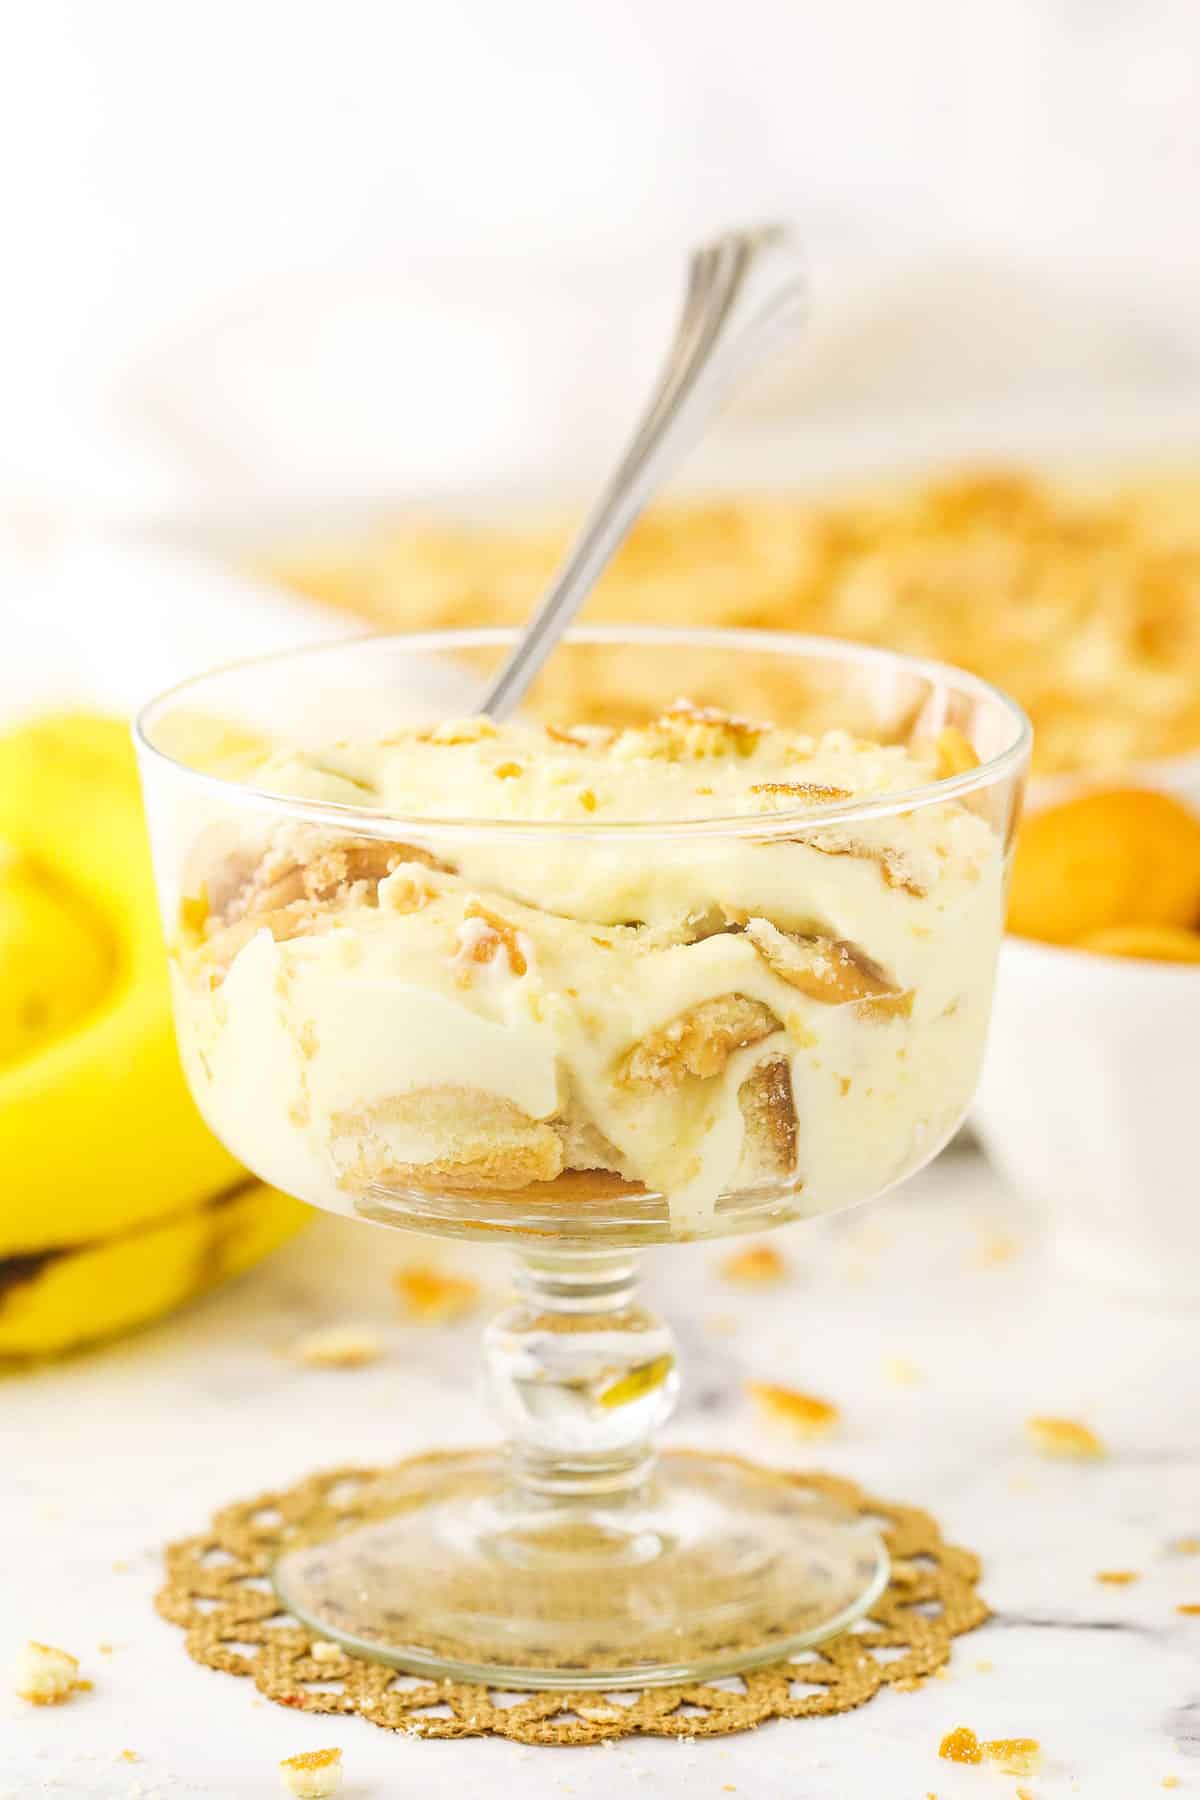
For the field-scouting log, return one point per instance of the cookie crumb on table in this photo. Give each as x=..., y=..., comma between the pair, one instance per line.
x=47, y=1676
x=1015, y=1756
x=1117, y=1577
x=434, y=1298
x=758, y=1266
x=960, y=1746
x=338, y=1347
x=313, y=1775
x=1064, y=1437
x=803, y=1414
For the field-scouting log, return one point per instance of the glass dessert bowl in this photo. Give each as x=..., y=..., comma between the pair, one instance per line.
x=594, y=982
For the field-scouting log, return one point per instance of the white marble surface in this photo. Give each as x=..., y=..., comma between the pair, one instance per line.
x=108, y=1456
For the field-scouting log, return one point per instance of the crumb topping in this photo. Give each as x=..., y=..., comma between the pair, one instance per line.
x=649, y=772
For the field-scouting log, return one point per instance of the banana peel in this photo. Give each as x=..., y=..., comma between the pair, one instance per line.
x=99, y=1138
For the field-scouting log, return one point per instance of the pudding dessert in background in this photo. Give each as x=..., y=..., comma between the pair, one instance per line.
x=568, y=992
x=1082, y=600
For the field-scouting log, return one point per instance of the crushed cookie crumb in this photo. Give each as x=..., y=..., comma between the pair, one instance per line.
x=984, y=1666
x=757, y=1266
x=804, y=1414
x=337, y=1347
x=1190, y=1609
x=1186, y=1546
x=960, y=1746
x=802, y=790
x=588, y=800
x=130, y=1756
x=407, y=893
x=1064, y=1437
x=313, y=1775
x=47, y=1676
x=1117, y=1577
x=493, y=935
x=505, y=771
x=1171, y=1781
x=1014, y=1756
x=434, y=1298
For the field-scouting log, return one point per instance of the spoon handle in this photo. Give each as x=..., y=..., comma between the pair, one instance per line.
x=746, y=292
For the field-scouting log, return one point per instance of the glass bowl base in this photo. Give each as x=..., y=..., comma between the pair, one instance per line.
x=711, y=1566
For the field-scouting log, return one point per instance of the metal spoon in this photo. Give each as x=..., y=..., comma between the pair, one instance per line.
x=746, y=292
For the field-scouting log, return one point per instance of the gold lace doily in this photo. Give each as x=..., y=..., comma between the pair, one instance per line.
x=217, y=1590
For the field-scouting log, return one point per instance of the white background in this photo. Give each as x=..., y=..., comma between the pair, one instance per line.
x=394, y=219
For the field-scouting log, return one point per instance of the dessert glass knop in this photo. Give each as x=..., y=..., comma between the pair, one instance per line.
x=590, y=982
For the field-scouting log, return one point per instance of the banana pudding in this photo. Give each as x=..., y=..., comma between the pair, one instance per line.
x=698, y=957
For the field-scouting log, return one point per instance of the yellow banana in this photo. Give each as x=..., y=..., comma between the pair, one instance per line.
x=98, y=1135
x=54, y=965
x=57, y=1300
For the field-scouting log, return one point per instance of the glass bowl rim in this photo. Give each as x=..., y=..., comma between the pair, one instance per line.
x=369, y=820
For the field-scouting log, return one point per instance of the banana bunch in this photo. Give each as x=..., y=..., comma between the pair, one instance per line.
x=116, y=1202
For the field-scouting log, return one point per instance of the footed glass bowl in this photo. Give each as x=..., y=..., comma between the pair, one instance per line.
x=589, y=1028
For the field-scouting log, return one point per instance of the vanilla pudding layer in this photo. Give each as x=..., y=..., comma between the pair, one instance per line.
x=366, y=1017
